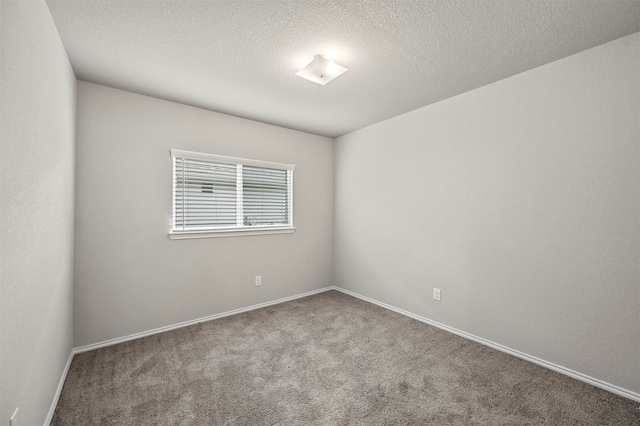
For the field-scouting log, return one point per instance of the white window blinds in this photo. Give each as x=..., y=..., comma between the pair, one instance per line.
x=204, y=194
x=265, y=196
x=224, y=193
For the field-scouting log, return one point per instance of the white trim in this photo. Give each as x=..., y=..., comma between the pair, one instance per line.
x=557, y=368
x=568, y=372
x=290, y=185
x=234, y=160
x=56, y=396
x=230, y=232
x=117, y=340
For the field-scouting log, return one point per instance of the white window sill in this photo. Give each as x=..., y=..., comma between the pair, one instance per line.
x=237, y=232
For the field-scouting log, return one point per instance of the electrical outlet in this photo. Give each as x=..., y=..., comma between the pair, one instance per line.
x=436, y=294
x=258, y=280
x=13, y=421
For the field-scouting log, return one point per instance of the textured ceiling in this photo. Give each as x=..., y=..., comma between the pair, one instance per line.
x=240, y=56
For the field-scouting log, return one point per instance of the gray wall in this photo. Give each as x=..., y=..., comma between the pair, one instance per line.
x=129, y=277
x=520, y=201
x=36, y=218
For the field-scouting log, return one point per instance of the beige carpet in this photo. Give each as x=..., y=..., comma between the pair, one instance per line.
x=328, y=359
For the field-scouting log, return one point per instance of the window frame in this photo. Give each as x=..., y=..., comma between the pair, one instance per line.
x=178, y=234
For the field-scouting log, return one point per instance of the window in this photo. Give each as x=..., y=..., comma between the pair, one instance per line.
x=216, y=196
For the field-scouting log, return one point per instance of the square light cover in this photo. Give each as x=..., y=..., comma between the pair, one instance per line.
x=321, y=70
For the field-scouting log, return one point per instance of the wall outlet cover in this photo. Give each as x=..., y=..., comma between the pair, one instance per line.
x=436, y=294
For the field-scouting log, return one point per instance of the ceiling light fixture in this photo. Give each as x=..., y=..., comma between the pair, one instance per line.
x=321, y=70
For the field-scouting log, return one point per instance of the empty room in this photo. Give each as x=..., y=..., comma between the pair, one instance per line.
x=320, y=212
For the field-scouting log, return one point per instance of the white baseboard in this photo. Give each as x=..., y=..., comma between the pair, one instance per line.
x=563, y=370
x=56, y=397
x=566, y=371
x=110, y=342
x=195, y=321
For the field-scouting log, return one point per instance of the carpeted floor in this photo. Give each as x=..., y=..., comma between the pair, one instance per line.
x=327, y=359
